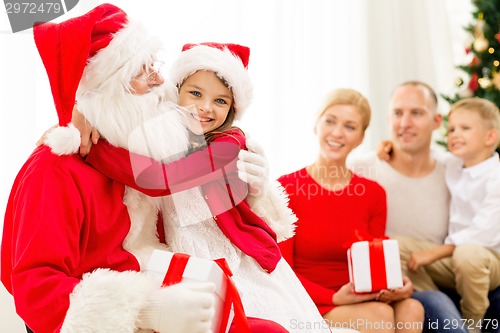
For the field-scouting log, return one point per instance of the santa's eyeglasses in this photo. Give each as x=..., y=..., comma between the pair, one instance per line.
x=150, y=72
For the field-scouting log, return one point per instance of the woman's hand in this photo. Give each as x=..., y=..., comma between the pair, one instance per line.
x=346, y=295
x=88, y=134
x=389, y=296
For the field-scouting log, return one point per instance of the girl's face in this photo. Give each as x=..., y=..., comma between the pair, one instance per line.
x=339, y=130
x=209, y=96
x=468, y=137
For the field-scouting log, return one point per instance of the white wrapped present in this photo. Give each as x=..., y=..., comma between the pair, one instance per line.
x=170, y=268
x=374, y=265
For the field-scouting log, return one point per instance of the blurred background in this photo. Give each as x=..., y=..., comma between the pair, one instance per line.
x=300, y=50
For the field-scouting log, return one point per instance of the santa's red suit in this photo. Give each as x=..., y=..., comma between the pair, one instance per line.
x=64, y=219
x=62, y=254
x=62, y=246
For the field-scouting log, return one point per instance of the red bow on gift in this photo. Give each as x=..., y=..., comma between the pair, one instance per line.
x=378, y=272
x=174, y=275
x=360, y=236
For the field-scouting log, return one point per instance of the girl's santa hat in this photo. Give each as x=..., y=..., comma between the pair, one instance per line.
x=228, y=61
x=92, y=51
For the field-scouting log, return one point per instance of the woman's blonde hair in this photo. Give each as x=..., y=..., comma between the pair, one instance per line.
x=347, y=96
x=486, y=109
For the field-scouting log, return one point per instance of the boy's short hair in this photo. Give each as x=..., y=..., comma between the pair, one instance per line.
x=486, y=109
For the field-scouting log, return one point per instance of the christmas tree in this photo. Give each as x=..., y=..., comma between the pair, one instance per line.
x=482, y=72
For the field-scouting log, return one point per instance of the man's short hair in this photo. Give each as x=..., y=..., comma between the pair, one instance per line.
x=425, y=86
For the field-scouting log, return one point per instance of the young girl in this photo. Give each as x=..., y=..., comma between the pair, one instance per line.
x=218, y=221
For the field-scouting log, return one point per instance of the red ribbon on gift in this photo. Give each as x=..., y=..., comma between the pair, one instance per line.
x=232, y=297
x=377, y=264
x=360, y=236
x=174, y=275
x=378, y=272
x=176, y=269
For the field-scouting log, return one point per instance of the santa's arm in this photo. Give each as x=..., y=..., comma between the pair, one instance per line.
x=56, y=289
x=108, y=301
x=46, y=241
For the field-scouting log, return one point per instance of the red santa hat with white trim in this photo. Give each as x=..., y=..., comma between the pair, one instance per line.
x=85, y=53
x=228, y=61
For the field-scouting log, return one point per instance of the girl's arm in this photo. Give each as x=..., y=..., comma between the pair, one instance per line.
x=156, y=179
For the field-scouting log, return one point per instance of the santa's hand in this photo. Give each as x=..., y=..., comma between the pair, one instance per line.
x=88, y=134
x=180, y=308
x=253, y=169
x=41, y=141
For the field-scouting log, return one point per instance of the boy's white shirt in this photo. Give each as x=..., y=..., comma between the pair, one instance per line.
x=475, y=202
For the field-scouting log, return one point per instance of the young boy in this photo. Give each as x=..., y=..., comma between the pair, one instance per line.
x=469, y=259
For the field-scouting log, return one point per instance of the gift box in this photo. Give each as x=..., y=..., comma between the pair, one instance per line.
x=374, y=265
x=170, y=268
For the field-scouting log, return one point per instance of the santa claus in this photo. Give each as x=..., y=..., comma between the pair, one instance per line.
x=63, y=258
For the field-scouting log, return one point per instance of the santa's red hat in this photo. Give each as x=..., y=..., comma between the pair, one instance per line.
x=86, y=52
x=228, y=61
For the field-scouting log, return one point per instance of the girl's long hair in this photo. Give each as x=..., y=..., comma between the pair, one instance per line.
x=226, y=125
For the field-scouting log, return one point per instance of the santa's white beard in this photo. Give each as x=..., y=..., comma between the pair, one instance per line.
x=143, y=124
